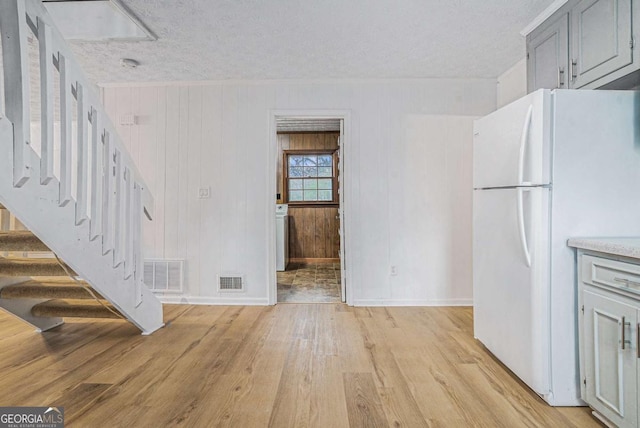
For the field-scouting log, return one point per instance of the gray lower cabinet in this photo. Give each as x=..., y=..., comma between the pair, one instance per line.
x=586, y=44
x=610, y=367
x=609, y=323
x=600, y=39
x=548, y=49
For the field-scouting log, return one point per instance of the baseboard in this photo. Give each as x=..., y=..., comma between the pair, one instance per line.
x=257, y=301
x=221, y=301
x=392, y=302
x=602, y=419
x=312, y=260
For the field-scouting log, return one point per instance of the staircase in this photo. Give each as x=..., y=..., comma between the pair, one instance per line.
x=53, y=292
x=67, y=177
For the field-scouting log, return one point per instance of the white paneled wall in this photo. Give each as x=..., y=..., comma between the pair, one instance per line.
x=431, y=215
x=409, y=159
x=512, y=84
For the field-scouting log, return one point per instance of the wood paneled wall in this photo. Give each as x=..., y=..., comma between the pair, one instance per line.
x=302, y=141
x=9, y=222
x=5, y=219
x=313, y=231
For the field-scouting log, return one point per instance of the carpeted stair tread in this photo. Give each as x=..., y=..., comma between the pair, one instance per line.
x=21, y=240
x=31, y=267
x=55, y=280
x=36, y=290
x=72, y=309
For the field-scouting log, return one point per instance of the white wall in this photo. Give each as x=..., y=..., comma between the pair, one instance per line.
x=409, y=158
x=512, y=84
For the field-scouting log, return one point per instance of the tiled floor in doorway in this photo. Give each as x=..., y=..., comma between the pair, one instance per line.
x=309, y=283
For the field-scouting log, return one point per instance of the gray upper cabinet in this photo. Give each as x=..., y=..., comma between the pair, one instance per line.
x=600, y=39
x=548, y=52
x=586, y=44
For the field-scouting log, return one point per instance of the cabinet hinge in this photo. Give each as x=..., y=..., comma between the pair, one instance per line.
x=583, y=309
x=527, y=55
x=584, y=381
x=632, y=43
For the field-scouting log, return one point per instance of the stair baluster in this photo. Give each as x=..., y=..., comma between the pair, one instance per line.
x=81, y=220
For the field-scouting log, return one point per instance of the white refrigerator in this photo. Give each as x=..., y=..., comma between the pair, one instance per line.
x=550, y=166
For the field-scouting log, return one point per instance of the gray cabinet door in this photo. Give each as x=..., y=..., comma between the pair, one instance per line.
x=548, y=56
x=600, y=39
x=610, y=358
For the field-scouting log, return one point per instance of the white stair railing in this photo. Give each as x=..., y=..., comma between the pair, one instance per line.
x=110, y=194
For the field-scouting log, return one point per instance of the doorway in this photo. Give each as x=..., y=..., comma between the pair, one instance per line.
x=309, y=182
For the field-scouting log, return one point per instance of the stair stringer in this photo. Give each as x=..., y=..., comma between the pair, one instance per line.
x=36, y=206
x=21, y=308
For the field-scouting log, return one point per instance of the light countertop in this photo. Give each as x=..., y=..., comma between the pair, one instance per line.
x=628, y=247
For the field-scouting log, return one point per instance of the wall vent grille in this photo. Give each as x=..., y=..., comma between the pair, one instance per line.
x=230, y=283
x=164, y=275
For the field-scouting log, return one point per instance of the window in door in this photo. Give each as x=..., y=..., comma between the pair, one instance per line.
x=310, y=177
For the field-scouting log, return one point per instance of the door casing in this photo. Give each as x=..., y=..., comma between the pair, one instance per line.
x=344, y=210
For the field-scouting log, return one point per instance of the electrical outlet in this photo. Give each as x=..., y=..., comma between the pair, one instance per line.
x=204, y=192
x=394, y=270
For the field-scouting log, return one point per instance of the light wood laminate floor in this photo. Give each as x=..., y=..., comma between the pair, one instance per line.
x=302, y=365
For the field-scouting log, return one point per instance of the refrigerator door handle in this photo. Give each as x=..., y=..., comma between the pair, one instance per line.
x=521, y=227
x=523, y=144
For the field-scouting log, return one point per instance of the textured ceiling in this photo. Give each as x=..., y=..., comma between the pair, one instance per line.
x=321, y=39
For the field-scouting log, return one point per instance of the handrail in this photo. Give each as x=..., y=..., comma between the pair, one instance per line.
x=110, y=192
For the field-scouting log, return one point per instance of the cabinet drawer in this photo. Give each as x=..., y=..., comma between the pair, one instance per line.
x=611, y=274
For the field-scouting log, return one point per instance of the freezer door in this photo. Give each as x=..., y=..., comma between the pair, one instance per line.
x=511, y=147
x=511, y=281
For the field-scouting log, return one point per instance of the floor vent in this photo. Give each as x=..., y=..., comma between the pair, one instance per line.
x=230, y=283
x=164, y=275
